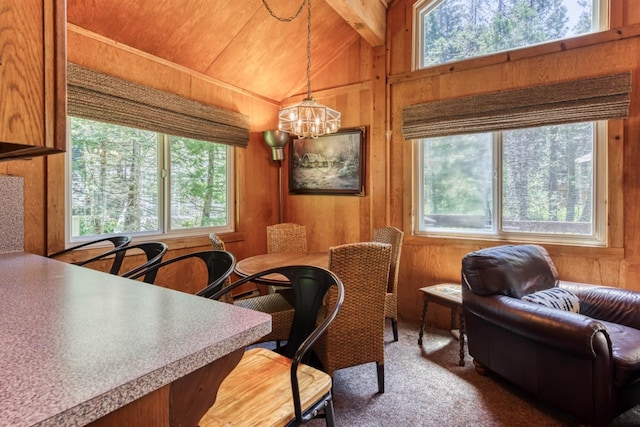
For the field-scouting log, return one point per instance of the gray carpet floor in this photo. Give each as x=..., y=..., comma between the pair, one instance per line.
x=425, y=386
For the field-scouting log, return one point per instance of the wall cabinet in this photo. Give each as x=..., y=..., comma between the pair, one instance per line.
x=32, y=78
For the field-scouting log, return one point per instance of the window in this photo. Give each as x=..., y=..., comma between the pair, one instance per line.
x=127, y=180
x=453, y=30
x=543, y=184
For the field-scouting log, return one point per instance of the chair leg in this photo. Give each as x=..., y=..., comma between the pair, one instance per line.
x=328, y=412
x=394, y=326
x=380, y=377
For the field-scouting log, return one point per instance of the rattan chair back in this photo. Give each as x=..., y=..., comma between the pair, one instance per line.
x=216, y=242
x=356, y=336
x=286, y=237
x=394, y=237
x=279, y=308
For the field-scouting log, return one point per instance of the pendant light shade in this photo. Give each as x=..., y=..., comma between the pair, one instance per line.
x=308, y=119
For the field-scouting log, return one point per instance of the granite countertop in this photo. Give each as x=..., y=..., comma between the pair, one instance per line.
x=76, y=344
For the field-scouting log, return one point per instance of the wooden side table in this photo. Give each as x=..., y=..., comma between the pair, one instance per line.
x=448, y=295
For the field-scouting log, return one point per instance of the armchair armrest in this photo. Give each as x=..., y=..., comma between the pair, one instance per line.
x=569, y=332
x=607, y=303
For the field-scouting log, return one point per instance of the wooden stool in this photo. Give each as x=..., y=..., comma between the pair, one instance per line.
x=448, y=295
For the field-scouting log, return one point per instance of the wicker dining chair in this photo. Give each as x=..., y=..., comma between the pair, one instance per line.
x=356, y=336
x=394, y=237
x=274, y=304
x=286, y=237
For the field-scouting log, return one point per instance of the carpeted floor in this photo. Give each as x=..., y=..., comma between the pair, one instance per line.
x=426, y=387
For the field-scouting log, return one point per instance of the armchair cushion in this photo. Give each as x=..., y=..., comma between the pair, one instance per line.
x=512, y=270
x=606, y=303
x=559, y=298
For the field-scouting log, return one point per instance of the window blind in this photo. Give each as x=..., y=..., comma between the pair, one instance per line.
x=597, y=98
x=98, y=96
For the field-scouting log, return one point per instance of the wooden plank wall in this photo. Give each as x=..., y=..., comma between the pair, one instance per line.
x=370, y=86
x=356, y=88
x=256, y=173
x=44, y=176
x=428, y=261
x=255, y=203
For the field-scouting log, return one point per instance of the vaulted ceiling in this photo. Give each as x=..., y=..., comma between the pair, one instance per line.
x=236, y=42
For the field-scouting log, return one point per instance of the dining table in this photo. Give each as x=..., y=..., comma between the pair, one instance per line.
x=257, y=263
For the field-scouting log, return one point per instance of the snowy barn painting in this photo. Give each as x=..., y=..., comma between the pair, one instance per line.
x=331, y=164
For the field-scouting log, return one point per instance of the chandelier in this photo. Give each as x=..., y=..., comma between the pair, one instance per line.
x=306, y=119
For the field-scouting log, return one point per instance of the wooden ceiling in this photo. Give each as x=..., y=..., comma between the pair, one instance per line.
x=236, y=42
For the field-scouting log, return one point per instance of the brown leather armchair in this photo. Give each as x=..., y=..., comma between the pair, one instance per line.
x=585, y=363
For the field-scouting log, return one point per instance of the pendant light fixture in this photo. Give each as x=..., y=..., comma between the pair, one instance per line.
x=307, y=119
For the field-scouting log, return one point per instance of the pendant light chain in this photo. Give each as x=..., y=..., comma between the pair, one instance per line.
x=309, y=50
x=306, y=119
x=291, y=18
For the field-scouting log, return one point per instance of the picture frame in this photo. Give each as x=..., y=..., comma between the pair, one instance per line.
x=330, y=164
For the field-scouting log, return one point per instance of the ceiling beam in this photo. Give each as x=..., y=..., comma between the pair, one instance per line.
x=367, y=17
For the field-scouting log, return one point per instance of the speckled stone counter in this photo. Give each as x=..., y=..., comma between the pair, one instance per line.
x=76, y=344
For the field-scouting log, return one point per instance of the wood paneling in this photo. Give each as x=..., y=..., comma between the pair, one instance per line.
x=334, y=220
x=256, y=193
x=369, y=19
x=237, y=42
x=427, y=261
x=369, y=86
x=256, y=173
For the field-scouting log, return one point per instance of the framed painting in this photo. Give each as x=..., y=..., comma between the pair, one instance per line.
x=330, y=164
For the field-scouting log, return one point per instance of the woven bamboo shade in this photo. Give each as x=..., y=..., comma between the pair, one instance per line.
x=597, y=98
x=97, y=96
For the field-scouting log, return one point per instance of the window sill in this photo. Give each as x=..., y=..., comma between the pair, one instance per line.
x=185, y=242
x=553, y=249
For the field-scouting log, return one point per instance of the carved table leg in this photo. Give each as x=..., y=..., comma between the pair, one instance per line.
x=462, y=333
x=424, y=319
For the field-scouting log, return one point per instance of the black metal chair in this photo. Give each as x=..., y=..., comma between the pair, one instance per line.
x=154, y=251
x=219, y=267
x=119, y=241
x=262, y=374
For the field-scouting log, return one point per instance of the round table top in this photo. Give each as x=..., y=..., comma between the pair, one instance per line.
x=258, y=263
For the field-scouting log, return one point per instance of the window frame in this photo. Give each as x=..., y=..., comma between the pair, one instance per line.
x=422, y=7
x=164, y=202
x=599, y=238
